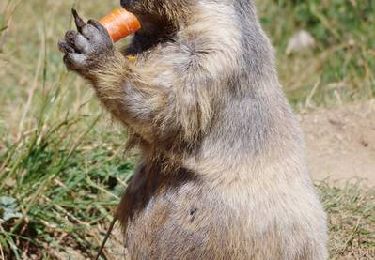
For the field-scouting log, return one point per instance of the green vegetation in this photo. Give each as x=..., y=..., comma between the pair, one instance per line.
x=62, y=165
x=342, y=66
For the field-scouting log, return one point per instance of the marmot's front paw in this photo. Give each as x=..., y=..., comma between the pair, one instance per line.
x=87, y=48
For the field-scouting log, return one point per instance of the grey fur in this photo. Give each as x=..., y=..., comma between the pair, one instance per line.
x=223, y=174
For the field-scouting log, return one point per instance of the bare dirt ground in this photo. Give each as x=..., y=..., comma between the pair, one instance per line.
x=340, y=143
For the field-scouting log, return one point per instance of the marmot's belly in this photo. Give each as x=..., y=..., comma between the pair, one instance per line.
x=189, y=224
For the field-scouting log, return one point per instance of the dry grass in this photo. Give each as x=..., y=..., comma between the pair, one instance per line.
x=351, y=221
x=62, y=168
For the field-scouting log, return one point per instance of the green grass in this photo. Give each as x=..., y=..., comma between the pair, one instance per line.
x=62, y=161
x=342, y=66
x=64, y=187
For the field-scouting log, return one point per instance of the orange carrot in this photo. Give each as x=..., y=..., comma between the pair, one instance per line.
x=120, y=23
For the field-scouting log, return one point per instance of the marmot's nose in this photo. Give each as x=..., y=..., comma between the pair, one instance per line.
x=126, y=3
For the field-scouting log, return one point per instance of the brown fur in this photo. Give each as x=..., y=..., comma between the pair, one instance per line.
x=223, y=172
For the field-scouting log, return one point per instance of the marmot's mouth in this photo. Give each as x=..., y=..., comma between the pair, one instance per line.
x=153, y=24
x=153, y=32
x=155, y=28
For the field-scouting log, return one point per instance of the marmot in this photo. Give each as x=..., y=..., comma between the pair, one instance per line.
x=223, y=173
